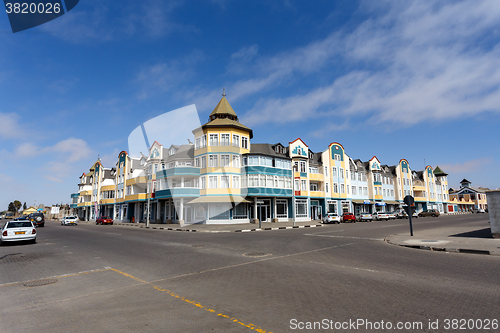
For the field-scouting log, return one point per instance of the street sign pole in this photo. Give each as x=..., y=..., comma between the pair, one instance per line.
x=409, y=217
x=409, y=201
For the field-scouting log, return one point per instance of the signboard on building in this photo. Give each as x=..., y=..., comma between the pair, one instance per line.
x=54, y=210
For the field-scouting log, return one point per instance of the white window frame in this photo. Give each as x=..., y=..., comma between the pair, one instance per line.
x=225, y=160
x=213, y=139
x=226, y=142
x=213, y=161
x=236, y=182
x=236, y=140
x=245, y=142
x=236, y=161
x=213, y=182
x=224, y=181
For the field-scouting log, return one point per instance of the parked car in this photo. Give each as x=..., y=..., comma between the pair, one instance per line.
x=391, y=215
x=331, y=218
x=104, y=220
x=15, y=231
x=69, y=220
x=364, y=217
x=429, y=212
x=348, y=217
x=480, y=210
x=38, y=219
x=21, y=218
x=380, y=216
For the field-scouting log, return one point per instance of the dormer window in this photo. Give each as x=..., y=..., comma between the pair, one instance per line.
x=171, y=151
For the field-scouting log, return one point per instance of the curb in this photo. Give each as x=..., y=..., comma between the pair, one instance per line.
x=220, y=231
x=446, y=249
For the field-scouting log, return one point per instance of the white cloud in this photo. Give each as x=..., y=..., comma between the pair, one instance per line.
x=11, y=129
x=414, y=62
x=473, y=166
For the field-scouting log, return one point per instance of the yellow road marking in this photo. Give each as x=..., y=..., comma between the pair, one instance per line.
x=198, y=305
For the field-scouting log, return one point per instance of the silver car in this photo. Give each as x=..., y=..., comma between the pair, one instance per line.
x=364, y=217
x=16, y=231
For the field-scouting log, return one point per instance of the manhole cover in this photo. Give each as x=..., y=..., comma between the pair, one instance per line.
x=39, y=283
x=256, y=254
x=21, y=257
x=199, y=245
x=429, y=241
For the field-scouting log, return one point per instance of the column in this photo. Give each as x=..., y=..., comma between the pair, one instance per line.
x=255, y=219
x=181, y=212
x=158, y=209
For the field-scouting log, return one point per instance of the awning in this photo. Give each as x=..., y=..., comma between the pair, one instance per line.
x=214, y=199
x=361, y=201
x=392, y=202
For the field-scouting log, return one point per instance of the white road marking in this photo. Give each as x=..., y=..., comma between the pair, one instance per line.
x=378, y=239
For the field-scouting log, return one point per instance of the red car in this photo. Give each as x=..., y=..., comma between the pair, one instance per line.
x=104, y=220
x=348, y=217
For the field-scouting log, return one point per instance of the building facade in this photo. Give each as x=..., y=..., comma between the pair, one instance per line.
x=221, y=177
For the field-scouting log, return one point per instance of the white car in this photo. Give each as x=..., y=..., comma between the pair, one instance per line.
x=331, y=218
x=380, y=216
x=69, y=220
x=16, y=231
x=392, y=215
x=364, y=217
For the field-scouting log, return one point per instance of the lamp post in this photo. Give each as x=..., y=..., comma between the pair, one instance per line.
x=148, y=196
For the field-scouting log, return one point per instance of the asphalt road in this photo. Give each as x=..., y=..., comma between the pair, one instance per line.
x=90, y=278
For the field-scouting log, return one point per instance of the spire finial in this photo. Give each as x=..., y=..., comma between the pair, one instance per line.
x=223, y=92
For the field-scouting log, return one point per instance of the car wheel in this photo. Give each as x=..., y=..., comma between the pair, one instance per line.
x=433, y=215
x=33, y=241
x=96, y=223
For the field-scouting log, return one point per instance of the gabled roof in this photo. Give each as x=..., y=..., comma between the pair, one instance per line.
x=300, y=141
x=183, y=152
x=266, y=149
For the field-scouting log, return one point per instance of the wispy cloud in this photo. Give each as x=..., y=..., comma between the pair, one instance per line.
x=162, y=77
x=473, y=166
x=10, y=126
x=103, y=21
x=415, y=61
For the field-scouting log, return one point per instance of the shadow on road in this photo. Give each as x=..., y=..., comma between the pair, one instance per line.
x=482, y=233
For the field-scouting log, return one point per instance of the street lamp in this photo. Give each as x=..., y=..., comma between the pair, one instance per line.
x=147, y=194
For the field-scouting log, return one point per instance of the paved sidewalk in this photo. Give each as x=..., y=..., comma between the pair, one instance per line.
x=450, y=239
x=214, y=228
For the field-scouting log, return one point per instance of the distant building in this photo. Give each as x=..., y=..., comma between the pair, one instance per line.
x=467, y=198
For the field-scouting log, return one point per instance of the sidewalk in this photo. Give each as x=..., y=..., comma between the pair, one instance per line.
x=450, y=239
x=215, y=228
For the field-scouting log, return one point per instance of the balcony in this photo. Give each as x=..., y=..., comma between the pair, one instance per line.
x=178, y=171
x=136, y=180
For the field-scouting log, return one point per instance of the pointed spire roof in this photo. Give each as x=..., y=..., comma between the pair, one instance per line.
x=224, y=116
x=439, y=172
x=223, y=109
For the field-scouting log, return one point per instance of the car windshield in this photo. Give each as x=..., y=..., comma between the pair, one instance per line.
x=105, y=217
x=19, y=225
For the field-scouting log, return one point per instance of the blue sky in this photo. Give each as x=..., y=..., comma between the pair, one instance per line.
x=396, y=79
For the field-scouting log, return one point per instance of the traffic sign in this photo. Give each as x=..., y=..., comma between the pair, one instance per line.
x=409, y=200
